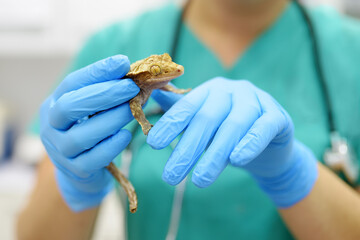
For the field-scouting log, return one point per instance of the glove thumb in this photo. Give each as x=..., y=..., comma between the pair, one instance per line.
x=165, y=99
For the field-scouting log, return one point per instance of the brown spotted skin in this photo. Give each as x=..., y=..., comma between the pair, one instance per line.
x=136, y=109
x=154, y=72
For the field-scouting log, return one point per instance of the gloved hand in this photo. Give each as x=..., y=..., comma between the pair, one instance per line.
x=241, y=125
x=80, y=147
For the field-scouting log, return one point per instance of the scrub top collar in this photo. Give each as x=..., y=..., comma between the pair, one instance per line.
x=276, y=39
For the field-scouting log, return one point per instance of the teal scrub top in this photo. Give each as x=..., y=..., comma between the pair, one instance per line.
x=280, y=61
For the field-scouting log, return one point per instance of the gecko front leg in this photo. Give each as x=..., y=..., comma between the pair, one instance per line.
x=170, y=88
x=138, y=113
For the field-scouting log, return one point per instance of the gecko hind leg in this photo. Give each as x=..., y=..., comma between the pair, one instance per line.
x=139, y=115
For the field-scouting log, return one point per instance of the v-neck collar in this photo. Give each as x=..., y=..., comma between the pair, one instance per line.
x=266, y=42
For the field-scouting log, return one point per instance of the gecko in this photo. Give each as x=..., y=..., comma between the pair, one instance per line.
x=154, y=72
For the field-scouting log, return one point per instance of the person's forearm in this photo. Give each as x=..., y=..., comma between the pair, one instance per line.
x=47, y=216
x=330, y=211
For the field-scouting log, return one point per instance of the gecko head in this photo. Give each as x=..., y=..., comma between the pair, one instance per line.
x=155, y=69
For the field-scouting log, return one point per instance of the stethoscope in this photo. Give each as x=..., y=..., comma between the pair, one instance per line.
x=339, y=157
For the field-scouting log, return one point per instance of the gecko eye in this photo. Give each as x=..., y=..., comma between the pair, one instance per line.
x=155, y=70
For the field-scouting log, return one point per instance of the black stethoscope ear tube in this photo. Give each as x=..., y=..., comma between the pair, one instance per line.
x=318, y=65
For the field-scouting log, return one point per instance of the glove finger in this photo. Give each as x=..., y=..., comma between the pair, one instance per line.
x=196, y=137
x=165, y=98
x=82, y=167
x=272, y=123
x=174, y=121
x=110, y=68
x=283, y=123
x=88, y=133
x=76, y=105
x=245, y=110
x=103, y=153
x=256, y=140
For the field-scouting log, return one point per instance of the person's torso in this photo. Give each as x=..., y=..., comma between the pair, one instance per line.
x=281, y=63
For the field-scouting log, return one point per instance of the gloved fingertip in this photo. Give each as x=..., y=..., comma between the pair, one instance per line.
x=130, y=85
x=235, y=158
x=154, y=146
x=125, y=135
x=239, y=159
x=170, y=178
x=200, y=181
x=110, y=68
x=234, y=154
x=118, y=61
x=165, y=99
x=154, y=141
x=118, y=142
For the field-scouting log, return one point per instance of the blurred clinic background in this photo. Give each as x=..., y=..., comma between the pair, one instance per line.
x=38, y=38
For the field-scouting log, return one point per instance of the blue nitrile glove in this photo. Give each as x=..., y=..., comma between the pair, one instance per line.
x=241, y=125
x=165, y=99
x=80, y=147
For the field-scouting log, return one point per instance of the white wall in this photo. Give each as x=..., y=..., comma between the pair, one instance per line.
x=47, y=27
x=39, y=37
